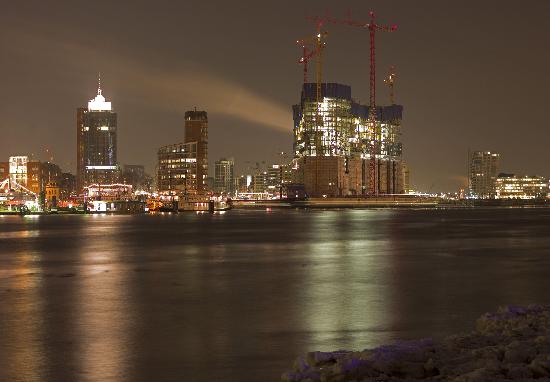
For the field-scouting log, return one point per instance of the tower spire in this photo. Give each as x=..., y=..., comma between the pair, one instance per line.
x=99, y=83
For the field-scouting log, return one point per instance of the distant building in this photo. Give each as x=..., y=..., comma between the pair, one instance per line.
x=510, y=186
x=97, y=143
x=483, y=174
x=224, y=176
x=177, y=169
x=196, y=130
x=52, y=194
x=134, y=174
x=278, y=175
x=32, y=175
x=4, y=171
x=260, y=182
x=333, y=144
x=406, y=178
x=67, y=185
x=243, y=184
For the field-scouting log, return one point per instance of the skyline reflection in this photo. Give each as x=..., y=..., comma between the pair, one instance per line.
x=239, y=296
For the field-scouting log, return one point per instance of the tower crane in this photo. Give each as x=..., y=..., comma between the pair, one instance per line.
x=390, y=81
x=373, y=27
x=308, y=54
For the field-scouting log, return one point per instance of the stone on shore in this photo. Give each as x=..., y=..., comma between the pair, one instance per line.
x=511, y=344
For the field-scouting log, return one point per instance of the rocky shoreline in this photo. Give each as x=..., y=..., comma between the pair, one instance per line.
x=511, y=344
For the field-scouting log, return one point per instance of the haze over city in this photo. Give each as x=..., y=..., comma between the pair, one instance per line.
x=470, y=75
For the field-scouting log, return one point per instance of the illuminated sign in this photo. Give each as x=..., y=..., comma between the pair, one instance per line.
x=101, y=167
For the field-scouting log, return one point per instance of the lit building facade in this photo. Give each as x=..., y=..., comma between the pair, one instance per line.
x=224, y=176
x=510, y=186
x=196, y=130
x=97, y=143
x=483, y=174
x=333, y=144
x=177, y=169
x=260, y=182
x=32, y=175
x=18, y=170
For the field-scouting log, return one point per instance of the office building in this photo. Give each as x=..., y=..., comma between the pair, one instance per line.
x=260, y=182
x=224, y=176
x=97, y=143
x=177, y=169
x=483, y=174
x=510, y=186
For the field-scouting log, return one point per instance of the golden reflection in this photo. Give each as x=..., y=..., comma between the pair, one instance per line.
x=104, y=320
x=347, y=280
x=25, y=355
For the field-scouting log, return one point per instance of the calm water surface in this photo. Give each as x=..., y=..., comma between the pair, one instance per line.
x=237, y=296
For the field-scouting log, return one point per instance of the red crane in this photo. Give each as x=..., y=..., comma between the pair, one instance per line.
x=373, y=27
x=308, y=54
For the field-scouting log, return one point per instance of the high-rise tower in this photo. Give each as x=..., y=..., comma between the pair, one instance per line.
x=96, y=143
x=224, y=176
x=196, y=130
x=483, y=174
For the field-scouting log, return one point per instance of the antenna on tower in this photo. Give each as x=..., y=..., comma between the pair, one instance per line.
x=99, y=83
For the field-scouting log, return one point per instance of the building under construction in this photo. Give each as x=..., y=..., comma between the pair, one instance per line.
x=334, y=142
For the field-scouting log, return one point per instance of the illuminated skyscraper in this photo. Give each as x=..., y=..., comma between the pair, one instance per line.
x=196, y=130
x=96, y=143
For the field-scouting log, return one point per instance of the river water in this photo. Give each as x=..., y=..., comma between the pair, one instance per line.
x=238, y=296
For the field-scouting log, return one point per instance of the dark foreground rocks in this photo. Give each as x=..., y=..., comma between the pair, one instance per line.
x=511, y=344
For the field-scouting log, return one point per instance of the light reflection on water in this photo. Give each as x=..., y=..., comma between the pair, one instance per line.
x=25, y=352
x=237, y=296
x=346, y=293
x=103, y=308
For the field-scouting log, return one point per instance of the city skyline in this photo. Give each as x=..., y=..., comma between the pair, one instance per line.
x=473, y=87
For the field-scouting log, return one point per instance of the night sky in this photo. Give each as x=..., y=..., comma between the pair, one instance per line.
x=470, y=75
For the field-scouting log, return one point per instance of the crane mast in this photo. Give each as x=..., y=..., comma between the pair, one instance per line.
x=390, y=81
x=373, y=27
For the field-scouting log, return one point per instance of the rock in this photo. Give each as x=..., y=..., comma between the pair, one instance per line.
x=511, y=344
x=519, y=372
x=540, y=366
x=519, y=352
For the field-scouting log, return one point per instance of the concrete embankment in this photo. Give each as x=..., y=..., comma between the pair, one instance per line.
x=511, y=344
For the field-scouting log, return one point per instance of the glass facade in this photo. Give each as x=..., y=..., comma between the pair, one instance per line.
x=339, y=126
x=334, y=142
